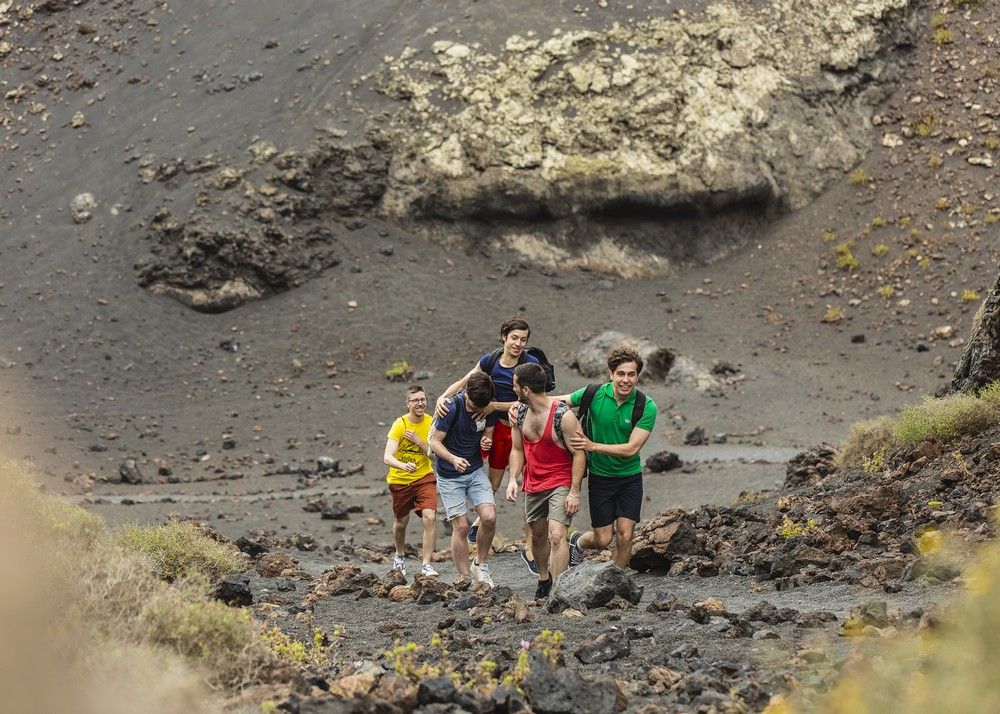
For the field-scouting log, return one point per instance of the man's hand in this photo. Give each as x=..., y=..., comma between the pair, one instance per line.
x=441, y=407
x=409, y=467
x=580, y=441
x=512, y=490
x=512, y=413
x=572, y=504
x=480, y=414
x=486, y=443
x=414, y=438
x=460, y=464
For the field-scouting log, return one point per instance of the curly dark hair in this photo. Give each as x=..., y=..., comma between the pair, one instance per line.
x=620, y=355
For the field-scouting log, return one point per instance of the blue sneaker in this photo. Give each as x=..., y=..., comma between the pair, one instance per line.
x=532, y=565
x=473, y=530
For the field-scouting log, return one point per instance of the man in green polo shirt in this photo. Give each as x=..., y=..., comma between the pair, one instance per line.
x=612, y=443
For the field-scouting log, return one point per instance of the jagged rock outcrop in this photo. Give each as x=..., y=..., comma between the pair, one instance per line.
x=591, y=360
x=629, y=149
x=740, y=112
x=263, y=227
x=980, y=362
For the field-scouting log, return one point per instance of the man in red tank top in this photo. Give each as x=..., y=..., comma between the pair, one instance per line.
x=552, y=472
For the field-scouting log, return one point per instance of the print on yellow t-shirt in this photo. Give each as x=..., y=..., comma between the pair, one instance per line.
x=408, y=452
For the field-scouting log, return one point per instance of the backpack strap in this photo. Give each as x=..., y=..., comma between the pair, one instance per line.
x=638, y=407
x=585, y=401
x=492, y=361
x=561, y=409
x=522, y=412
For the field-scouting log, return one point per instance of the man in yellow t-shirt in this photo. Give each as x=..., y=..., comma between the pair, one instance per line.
x=411, y=477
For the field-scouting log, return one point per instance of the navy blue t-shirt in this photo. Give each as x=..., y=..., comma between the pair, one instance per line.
x=503, y=378
x=461, y=437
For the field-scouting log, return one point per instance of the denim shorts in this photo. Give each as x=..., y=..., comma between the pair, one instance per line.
x=473, y=486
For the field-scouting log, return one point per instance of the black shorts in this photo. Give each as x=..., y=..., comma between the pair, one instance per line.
x=613, y=497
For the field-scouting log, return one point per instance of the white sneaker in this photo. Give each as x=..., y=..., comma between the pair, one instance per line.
x=428, y=570
x=399, y=564
x=481, y=573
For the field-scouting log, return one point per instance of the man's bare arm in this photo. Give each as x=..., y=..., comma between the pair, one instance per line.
x=631, y=448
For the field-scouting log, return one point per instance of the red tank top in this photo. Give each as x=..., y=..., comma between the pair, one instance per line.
x=547, y=465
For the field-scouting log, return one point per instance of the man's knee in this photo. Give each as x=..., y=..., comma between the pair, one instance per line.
x=625, y=533
x=557, y=534
x=428, y=517
x=487, y=516
x=401, y=522
x=460, y=526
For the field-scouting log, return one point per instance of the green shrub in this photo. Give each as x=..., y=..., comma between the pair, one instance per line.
x=991, y=393
x=845, y=258
x=947, y=418
x=865, y=439
x=225, y=640
x=858, y=177
x=943, y=36
x=178, y=550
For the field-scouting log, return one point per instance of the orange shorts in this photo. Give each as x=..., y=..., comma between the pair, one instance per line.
x=416, y=496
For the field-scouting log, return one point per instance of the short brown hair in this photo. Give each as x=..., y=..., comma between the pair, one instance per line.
x=532, y=376
x=480, y=389
x=515, y=322
x=413, y=389
x=620, y=355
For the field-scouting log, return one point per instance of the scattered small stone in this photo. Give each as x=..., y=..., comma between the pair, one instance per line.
x=82, y=207
x=235, y=591
x=663, y=461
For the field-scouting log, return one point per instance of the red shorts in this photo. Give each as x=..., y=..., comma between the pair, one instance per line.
x=416, y=496
x=502, y=444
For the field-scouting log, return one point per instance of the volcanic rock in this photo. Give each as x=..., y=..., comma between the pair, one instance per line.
x=606, y=647
x=558, y=690
x=665, y=536
x=82, y=207
x=592, y=584
x=979, y=364
x=271, y=565
x=235, y=590
x=810, y=466
x=591, y=360
x=663, y=461
x=128, y=472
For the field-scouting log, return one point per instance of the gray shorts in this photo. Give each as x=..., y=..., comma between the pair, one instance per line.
x=547, y=504
x=457, y=490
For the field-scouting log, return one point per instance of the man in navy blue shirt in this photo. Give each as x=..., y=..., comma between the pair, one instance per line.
x=499, y=365
x=458, y=440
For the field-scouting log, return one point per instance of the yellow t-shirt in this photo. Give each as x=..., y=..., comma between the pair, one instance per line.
x=408, y=452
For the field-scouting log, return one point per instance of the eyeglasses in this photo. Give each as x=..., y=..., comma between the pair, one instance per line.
x=417, y=401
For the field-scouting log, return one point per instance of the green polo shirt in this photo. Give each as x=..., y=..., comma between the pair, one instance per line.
x=611, y=423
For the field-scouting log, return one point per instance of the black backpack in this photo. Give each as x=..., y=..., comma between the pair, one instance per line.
x=536, y=352
x=588, y=396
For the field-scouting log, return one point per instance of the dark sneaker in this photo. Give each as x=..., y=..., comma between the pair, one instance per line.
x=543, y=589
x=532, y=565
x=575, y=552
x=473, y=531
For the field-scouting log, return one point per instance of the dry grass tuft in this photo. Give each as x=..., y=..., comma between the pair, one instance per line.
x=865, y=439
x=89, y=627
x=178, y=550
x=945, y=419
